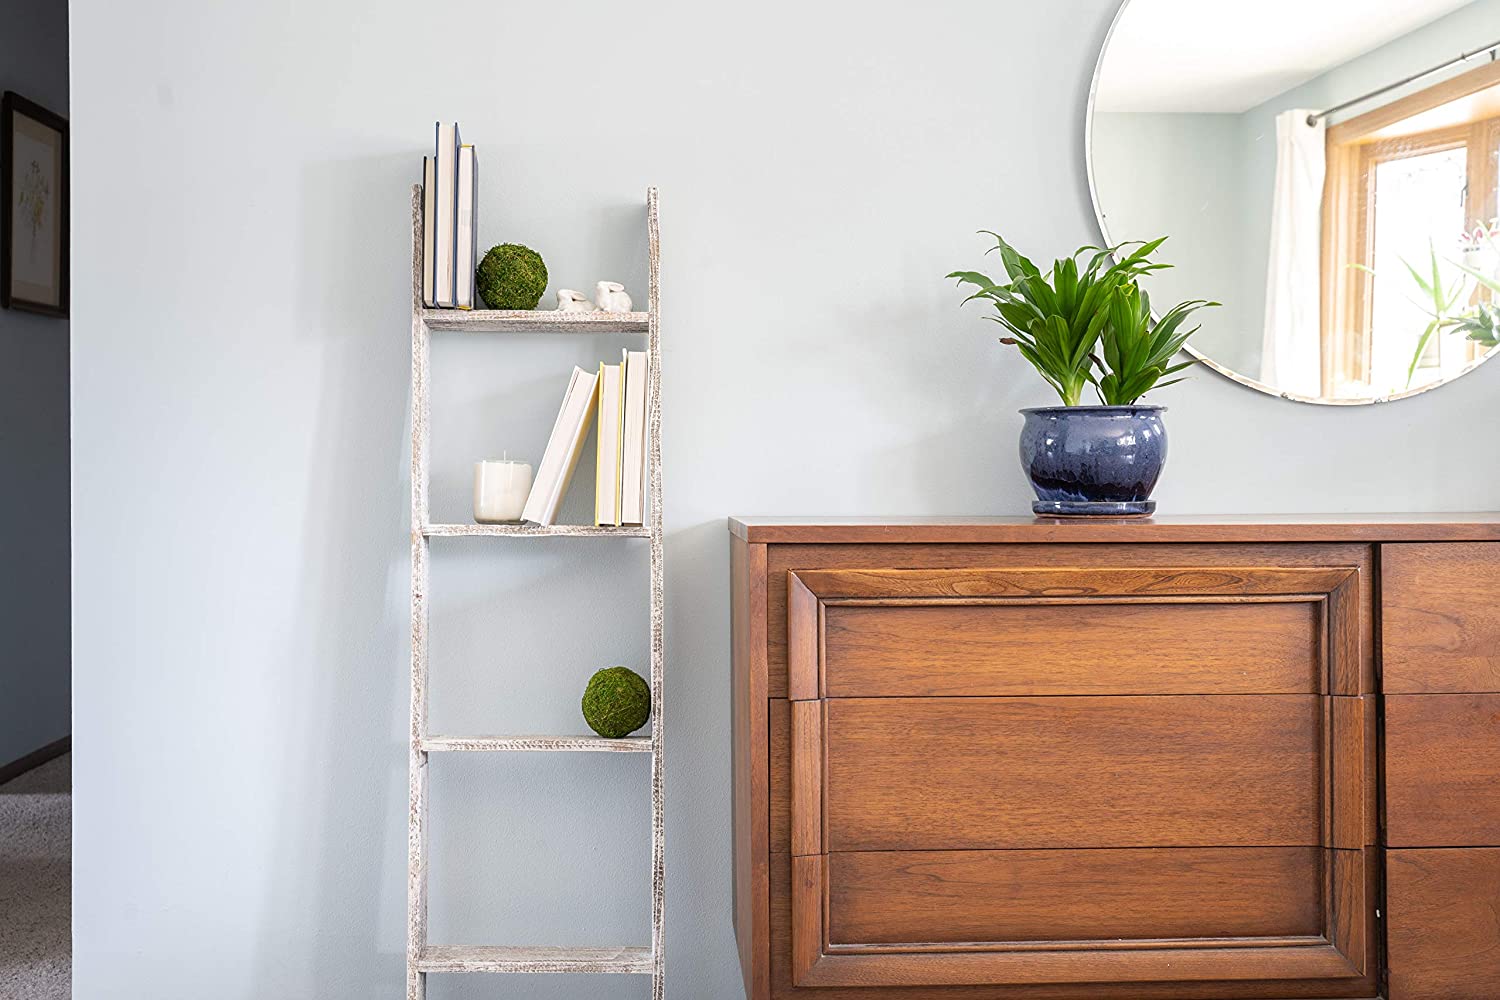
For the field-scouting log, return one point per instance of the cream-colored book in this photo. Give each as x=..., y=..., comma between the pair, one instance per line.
x=467, y=238
x=633, y=437
x=429, y=219
x=563, y=448
x=607, y=478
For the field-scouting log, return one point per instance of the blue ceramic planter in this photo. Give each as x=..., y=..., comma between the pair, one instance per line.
x=1093, y=460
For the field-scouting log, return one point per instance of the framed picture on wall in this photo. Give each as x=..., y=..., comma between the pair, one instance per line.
x=33, y=207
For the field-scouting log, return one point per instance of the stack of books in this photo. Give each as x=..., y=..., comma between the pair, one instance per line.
x=616, y=394
x=450, y=222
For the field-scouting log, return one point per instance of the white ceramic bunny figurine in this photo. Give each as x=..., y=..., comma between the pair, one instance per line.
x=569, y=301
x=611, y=297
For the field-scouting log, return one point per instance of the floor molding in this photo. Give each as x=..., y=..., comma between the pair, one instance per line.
x=35, y=759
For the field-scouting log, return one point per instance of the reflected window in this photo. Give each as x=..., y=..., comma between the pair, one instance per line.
x=1410, y=203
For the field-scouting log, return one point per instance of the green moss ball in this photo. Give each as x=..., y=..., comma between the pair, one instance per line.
x=511, y=276
x=617, y=702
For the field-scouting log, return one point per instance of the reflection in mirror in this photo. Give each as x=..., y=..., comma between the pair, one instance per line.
x=1330, y=172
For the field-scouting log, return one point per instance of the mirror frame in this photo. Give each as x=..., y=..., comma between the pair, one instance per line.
x=1199, y=356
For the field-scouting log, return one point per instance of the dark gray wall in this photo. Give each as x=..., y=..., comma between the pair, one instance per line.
x=240, y=396
x=34, y=523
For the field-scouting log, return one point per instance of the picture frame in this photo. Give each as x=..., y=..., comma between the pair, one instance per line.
x=34, y=207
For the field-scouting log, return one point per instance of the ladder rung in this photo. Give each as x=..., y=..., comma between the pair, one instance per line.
x=521, y=959
x=442, y=744
x=535, y=321
x=531, y=531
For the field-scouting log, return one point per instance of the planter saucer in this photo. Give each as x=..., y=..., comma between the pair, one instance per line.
x=1093, y=508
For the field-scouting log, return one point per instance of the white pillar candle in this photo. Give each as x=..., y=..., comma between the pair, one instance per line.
x=500, y=490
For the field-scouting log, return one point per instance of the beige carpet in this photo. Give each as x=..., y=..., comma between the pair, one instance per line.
x=36, y=947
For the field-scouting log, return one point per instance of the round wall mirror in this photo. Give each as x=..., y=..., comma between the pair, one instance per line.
x=1329, y=172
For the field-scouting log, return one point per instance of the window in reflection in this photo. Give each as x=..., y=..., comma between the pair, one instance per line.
x=1410, y=200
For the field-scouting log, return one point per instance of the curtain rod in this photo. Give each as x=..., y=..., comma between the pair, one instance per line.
x=1465, y=57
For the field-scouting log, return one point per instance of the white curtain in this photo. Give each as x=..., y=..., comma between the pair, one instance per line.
x=1291, y=347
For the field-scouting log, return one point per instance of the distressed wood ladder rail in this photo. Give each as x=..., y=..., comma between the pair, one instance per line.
x=422, y=957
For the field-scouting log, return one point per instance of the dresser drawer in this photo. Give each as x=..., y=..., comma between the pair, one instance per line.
x=1443, y=924
x=1104, y=648
x=922, y=774
x=1166, y=769
x=955, y=897
x=1442, y=759
x=1440, y=619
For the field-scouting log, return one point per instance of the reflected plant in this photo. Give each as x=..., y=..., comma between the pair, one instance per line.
x=1437, y=301
x=1481, y=325
x=1442, y=301
x=1480, y=322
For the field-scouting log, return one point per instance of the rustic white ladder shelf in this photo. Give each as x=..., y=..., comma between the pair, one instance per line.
x=423, y=957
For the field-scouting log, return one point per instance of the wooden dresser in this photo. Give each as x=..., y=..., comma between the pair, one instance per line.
x=1160, y=760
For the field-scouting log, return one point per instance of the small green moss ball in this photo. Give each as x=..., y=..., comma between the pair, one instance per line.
x=511, y=276
x=617, y=702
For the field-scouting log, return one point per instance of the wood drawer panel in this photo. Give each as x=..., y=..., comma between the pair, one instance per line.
x=1442, y=766
x=780, y=721
x=1440, y=620
x=1102, y=648
x=1444, y=924
x=967, y=896
x=1085, y=772
x=782, y=987
x=783, y=558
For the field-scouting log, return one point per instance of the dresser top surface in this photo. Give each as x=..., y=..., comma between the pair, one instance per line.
x=1183, y=528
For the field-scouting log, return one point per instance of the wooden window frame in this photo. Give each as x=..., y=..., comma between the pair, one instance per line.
x=1349, y=212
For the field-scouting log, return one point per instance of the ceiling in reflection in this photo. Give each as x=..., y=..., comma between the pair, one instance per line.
x=1189, y=55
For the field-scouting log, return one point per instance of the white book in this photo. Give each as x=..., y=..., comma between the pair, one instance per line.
x=468, y=239
x=633, y=454
x=607, y=477
x=429, y=194
x=445, y=233
x=563, y=448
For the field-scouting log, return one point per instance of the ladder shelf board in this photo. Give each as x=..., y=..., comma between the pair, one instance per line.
x=521, y=959
x=535, y=321
x=443, y=744
x=531, y=531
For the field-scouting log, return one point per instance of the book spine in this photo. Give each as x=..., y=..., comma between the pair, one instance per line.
x=446, y=200
x=429, y=184
x=464, y=273
x=619, y=468
x=437, y=202
x=540, y=505
x=457, y=145
x=474, y=240
x=599, y=479
x=590, y=393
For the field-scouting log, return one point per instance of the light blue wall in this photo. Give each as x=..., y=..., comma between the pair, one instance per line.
x=1179, y=176
x=34, y=604
x=239, y=392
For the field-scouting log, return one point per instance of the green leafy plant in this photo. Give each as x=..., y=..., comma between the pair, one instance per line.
x=1138, y=348
x=1058, y=320
x=1481, y=324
